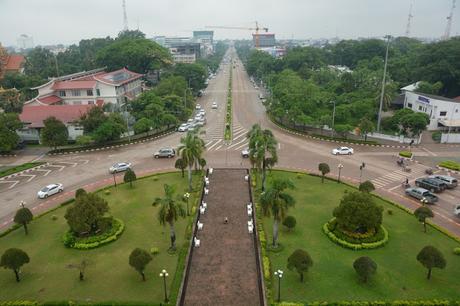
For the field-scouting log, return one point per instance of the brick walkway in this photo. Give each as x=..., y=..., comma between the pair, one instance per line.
x=223, y=269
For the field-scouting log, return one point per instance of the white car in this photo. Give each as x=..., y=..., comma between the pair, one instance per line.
x=50, y=190
x=119, y=167
x=214, y=105
x=245, y=153
x=198, y=117
x=342, y=151
x=198, y=106
x=189, y=121
x=183, y=127
x=202, y=112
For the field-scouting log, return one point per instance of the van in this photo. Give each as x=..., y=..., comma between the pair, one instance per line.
x=450, y=181
x=431, y=184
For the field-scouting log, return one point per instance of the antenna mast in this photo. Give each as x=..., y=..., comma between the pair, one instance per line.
x=125, y=17
x=409, y=19
x=449, y=21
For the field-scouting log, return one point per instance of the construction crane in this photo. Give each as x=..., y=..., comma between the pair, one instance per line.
x=257, y=28
x=449, y=22
x=409, y=19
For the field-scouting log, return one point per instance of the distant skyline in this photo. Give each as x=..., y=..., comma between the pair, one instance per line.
x=69, y=21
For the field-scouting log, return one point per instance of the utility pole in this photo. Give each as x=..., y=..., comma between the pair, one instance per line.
x=449, y=22
x=388, y=37
x=125, y=17
x=409, y=19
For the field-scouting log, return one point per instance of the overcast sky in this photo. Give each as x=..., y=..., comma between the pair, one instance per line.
x=68, y=21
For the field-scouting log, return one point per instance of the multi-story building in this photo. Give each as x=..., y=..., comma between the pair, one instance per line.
x=183, y=49
x=206, y=40
x=113, y=89
x=265, y=40
x=25, y=42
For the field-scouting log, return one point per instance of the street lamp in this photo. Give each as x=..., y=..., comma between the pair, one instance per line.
x=279, y=274
x=340, y=166
x=388, y=37
x=361, y=169
x=164, y=274
x=186, y=197
x=22, y=204
x=114, y=179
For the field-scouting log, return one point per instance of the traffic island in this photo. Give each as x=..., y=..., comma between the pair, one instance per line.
x=228, y=109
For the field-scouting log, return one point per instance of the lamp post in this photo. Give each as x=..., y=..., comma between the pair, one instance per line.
x=164, y=274
x=186, y=197
x=388, y=37
x=279, y=274
x=361, y=169
x=340, y=166
x=114, y=179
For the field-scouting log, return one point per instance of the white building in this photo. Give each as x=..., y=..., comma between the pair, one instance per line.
x=444, y=113
x=114, y=89
x=25, y=42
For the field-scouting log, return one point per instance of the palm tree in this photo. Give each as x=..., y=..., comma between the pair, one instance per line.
x=261, y=144
x=170, y=211
x=275, y=201
x=190, y=151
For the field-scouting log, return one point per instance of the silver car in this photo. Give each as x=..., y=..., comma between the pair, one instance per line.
x=50, y=190
x=119, y=167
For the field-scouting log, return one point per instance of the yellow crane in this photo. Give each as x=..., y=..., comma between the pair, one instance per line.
x=257, y=28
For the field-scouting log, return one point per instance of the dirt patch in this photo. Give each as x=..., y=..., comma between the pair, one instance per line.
x=223, y=269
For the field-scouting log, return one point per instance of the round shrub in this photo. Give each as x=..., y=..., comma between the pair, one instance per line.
x=457, y=251
x=290, y=222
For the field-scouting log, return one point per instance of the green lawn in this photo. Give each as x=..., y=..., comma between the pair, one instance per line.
x=110, y=278
x=332, y=277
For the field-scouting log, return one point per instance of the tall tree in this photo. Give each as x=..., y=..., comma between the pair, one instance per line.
x=86, y=213
x=190, y=152
x=422, y=213
x=430, y=257
x=139, y=259
x=262, y=150
x=276, y=201
x=14, y=259
x=324, y=169
x=181, y=165
x=54, y=133
x=23, y=216
x=365, y=127
x=301, y=261
x=170, y=211
x=9, y=139
x=129, y=177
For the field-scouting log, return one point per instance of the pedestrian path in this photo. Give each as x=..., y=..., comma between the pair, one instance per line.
x=399, y=176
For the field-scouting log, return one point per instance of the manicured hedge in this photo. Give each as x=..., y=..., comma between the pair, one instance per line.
x=71, y=241
x=376, y=303
x=450, y=164
x=405, y=154
x=360, y=246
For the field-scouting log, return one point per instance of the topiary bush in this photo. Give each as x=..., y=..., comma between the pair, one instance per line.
x=405, y=154
x=290, y=222
x=457, y=251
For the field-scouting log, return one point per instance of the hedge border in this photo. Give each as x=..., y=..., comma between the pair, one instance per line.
x=229, y=110
x=433, y=302
x=353, y=246
x=92, y=245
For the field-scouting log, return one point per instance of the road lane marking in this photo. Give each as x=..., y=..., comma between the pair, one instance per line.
x=218, y=141
x=44, y=170
x=30, y=175
x=235, y=144
x=10, y=182
x=57, y=166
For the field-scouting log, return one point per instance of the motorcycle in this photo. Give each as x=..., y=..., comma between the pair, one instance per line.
x=429, y=171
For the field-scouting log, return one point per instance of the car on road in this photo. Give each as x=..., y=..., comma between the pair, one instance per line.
x=431, y=184
x=198, y=106
x=200, y=123
x=165, y=152
x=245, y=153
x=450, y=181
x=50, y=190
x=342, y=151
x=202, y=112
x=183, y=127
x=214, y=105
x=198, y=117
x=119, y=167
x=457, y=210
x=422, y=194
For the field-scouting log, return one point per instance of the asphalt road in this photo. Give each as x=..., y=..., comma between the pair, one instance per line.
x=90, y=170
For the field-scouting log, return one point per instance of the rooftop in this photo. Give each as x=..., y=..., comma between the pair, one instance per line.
x=14, y=62
x=35, y=115
x=117, y=77
x=73, y=84
x=436, y=97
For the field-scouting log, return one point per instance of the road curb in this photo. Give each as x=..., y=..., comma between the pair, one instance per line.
x=112, y=147
x=448, y=170
x=24, y=171
x=336, y=141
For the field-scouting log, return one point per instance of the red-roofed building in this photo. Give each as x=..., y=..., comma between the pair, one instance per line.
x=13, y=63
x=33, y=116
x=114, y=89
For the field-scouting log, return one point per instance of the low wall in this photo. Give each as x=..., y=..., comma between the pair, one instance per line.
x=450, y=138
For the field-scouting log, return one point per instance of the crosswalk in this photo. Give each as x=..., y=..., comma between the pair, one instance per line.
x=215, y=141
x=399, y=176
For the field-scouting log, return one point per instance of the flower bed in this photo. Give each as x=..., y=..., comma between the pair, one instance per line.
x=71, y=241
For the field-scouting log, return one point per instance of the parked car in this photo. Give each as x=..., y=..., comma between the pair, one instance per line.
x=342, y=151
x=50, y=190
x=450, y=181
x=214, y=105
x=457, y=210
x=183, y=127
x=198, y=106
x=202, y=112
x=198, y=117
x=165, y=152
x=422, y=194
x=199, y=123
x=245, y=153
x=432, y=185
x=119, y=167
